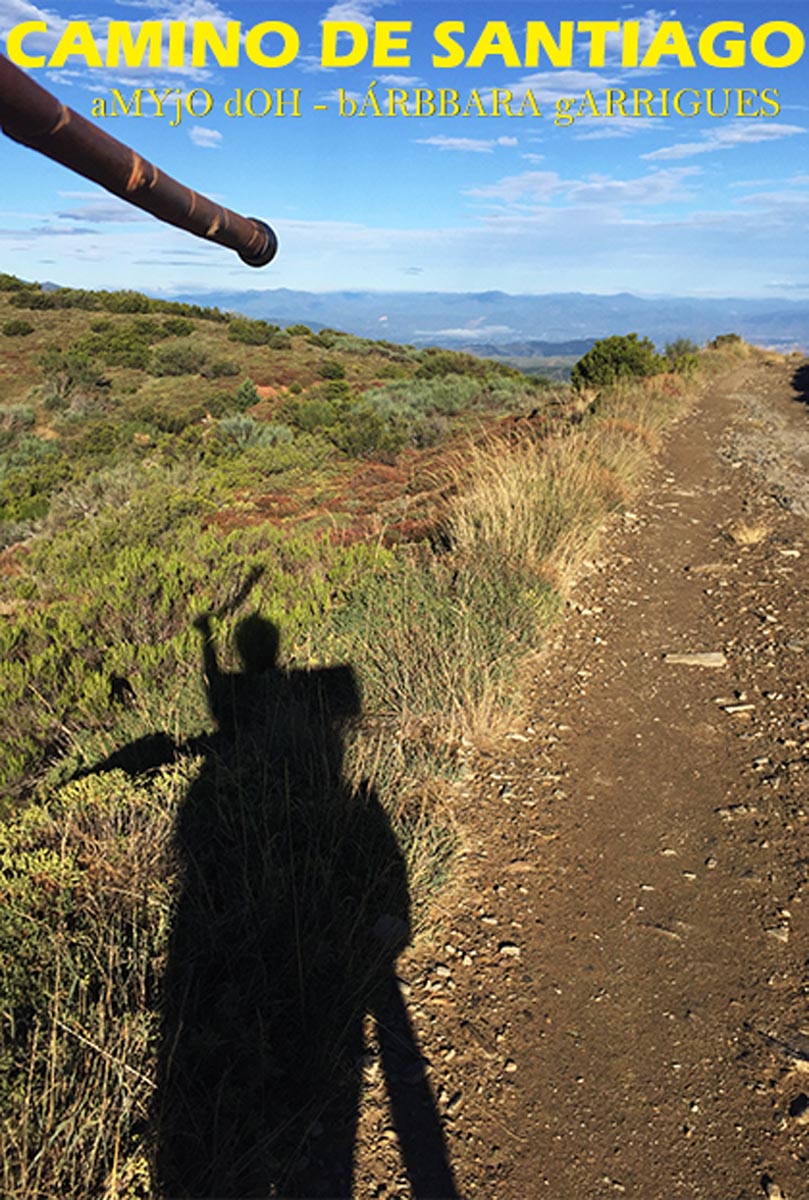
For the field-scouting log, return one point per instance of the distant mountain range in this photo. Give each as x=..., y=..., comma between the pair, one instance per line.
x=499, y=322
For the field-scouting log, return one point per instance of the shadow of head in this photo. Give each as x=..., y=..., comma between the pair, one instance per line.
x=257, y=642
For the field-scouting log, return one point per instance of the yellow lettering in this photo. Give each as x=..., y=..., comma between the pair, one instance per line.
x=538, y=37
x=497, y=40
x=598, y=31
x=205, y=36
x=121, y=42
x=386, y=44
x=758, y=44
x=443, y=36
x=669, y=40
x=76, y=42
x=349, y=58
x=734, y=55
x=14, y=44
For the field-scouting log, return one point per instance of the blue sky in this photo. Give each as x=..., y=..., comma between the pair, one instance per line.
x=700, y=206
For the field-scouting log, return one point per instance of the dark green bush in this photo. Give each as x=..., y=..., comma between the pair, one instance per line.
x=250, y=333
x=18, y=328
x=435, y=363
x=10, y=283
x=299, y=331
x=332, y=368
x=680, y=347
x=178, y=327
x=614, y=358
x=219, y=368
x=182, y=359
x=725, y=339
x=15, y=421
x=69, y=374
x=245, y=396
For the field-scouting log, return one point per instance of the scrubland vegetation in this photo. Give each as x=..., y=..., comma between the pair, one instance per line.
x=416, y=514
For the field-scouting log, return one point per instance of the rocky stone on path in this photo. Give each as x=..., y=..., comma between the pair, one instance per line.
x=709, y=658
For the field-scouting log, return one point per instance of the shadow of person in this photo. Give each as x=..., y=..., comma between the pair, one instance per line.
x=800, y=382
x=292, y=908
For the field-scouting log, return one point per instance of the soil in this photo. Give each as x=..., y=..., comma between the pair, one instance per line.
x=615, y=1003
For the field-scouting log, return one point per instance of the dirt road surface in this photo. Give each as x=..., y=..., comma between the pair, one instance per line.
x=618, y=1002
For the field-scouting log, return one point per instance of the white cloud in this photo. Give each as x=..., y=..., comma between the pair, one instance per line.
x=531, y=189
x=102, y=212
x=208, y=139
x=400, y=80
x=725, y=138
x=610, y=127
x=471, y=145
x=474, y=332
x=359, y=11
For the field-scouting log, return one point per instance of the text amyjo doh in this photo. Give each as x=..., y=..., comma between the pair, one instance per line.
x=174, y=104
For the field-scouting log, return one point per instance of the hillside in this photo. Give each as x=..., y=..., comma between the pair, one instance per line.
x=272, y=600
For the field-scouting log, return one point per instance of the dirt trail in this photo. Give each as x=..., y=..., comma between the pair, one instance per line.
x=619, y=1007
x=666, y=936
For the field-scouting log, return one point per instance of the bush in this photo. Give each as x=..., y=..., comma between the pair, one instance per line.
x=219, y=368
x=121, y=345
x=299, y=331
x=330, y=368
x=181, y=359
x=614, y=358
x=178, y=327
x=245, y=396
x=18, y=328
x=679, y=348
x=725, y=339
x=250, y=333
x=15, y=420
x=10, y=283
x=70, y=375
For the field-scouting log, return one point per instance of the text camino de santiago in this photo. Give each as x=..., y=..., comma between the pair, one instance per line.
x=276, y=44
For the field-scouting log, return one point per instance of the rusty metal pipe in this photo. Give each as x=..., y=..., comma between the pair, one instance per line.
x=32, y=116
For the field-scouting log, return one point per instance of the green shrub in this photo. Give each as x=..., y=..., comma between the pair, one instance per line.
x=127, y=302
x=219, y=368
x=69, y=374
x=325, y=339
x=18, y=328
x=121, y=345
x=10, y=283
x=614, y=358
x=447, y=362
x=15, y=420
x=178, y=327
x=679, y=348
x=250, y=333
x=299, y=331
x=726, y=339
x=332, y=368
x=245, y=396
x=182, y=359
x=243, y=432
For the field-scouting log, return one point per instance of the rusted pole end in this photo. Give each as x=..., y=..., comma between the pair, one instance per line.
x=266, y=249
